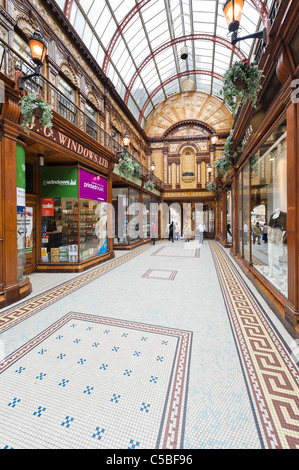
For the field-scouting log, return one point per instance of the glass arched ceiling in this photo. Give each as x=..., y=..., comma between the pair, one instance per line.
x=124, y=35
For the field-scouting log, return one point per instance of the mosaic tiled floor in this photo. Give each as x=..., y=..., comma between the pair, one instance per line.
x=92, y=382
x=273, y=379
x=160, y=274
x=179, y=251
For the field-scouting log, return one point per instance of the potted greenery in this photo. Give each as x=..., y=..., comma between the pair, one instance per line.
x=149, y=186
x=128, y=167
x=33, y=105
x=211, y=187
x=242, y=82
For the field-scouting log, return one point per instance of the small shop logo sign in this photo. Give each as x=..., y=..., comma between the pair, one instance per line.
x=70, y=182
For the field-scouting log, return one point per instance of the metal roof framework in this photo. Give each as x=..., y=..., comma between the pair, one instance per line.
x=138, y=43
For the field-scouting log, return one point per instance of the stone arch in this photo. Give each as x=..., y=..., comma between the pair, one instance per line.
x=68, y=71
x=26, y=25
x=92, y=98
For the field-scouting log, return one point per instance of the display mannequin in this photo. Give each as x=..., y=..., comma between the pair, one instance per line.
x=276, y=241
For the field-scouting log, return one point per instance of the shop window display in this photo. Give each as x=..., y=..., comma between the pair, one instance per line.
x=269, y=208
x=240, y=221
x=134, y=216
x=120, y=202
x=228, y=216
x=74, y=216
x=247, y=229
x=146, y=216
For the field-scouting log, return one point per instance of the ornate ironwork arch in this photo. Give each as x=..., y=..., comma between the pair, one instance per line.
x=170, y=79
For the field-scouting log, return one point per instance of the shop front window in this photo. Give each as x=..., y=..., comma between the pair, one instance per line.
x=120, y=202
x=240, y=222
x=269, y=208
x=247, y=229
x=229, y=216
x=146, y=216
x=134, y=216
x=74, y=215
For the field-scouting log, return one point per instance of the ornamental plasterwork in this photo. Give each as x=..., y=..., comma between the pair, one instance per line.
x=188, y=106
x=187, y=132
x=25, y=24
x=173, y=148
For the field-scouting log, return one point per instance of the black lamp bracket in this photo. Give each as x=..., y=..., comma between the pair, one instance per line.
x=23, y=79
x=259, y=35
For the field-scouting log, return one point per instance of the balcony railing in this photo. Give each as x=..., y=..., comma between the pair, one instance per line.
x=11, y=62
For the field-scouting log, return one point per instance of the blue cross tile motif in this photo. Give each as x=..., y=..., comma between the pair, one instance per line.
x=14, y=402
x=39, y=411
x=95, y=345
x=59, y=337
x=76, y=340
x=115, y=398
x=104, y=366
x=98, y=433
x=81, y=361
x=116, y=348
x=67, y=422
x=133, y=444
x=40, y=376
x=128, y=372
x=159, y=358
x=107, y=332
x=61, y=356
x=42, y=351
x=89, y=328
x=137, y=353
x=63, y=382
x=165, y=342
x=73, y=325
x=88, y=390
x=153, y=379
x=124, y=335
x=6, y=447
x=20, y=370
x=145, y=407
x=144, y=338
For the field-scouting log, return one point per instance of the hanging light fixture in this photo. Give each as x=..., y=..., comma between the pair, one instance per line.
x=233, y=10
x=126, y=140
x=209, y=168
x=153, y=166
x=38, y=50
x=214, y=138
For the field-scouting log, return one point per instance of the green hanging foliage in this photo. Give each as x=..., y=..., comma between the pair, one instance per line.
x=33, y=105
x=241, y=82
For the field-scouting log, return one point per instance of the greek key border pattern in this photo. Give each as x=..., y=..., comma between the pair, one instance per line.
x=172, y=435
x=272, y=377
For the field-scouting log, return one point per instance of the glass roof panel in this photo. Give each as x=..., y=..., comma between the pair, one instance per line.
x=132, y=35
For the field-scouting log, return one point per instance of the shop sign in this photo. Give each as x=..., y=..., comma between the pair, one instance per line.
x=92, y=187
x=29, y=229
x=187, y=194
x=47, y=207
x=59, y=182
x=21, y=176
x=70, y=144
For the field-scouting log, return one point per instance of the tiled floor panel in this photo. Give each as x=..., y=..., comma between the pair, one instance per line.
x=91, y=382
x=117, y=358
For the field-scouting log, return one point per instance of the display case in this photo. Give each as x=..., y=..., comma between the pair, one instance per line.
x=74, y=227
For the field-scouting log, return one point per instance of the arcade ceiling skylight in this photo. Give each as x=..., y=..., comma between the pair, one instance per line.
x=138, y=44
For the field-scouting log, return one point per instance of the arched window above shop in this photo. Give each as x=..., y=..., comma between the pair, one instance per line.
x=67, y=89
